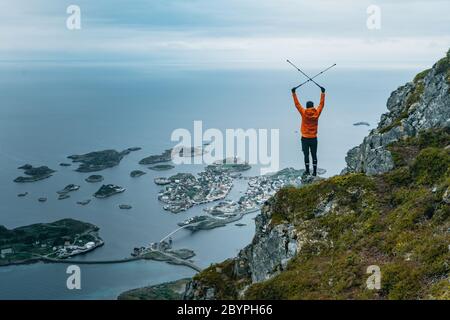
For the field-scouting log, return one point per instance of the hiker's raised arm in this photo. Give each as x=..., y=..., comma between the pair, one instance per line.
x=296, y=102
x=322, y=100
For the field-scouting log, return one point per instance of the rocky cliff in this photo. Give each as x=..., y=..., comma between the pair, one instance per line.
x=268, y=254
x=389, y=208
x=419, y=105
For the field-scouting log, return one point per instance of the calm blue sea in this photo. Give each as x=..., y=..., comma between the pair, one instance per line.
x=49, y=112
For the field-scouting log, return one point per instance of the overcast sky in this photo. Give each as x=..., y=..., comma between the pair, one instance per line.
x=227, y=33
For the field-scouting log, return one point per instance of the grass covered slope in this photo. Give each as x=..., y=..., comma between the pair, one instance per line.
x=398, y=221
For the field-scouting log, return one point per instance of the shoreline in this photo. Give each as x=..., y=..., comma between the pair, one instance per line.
x=169, y=259
x=50, y=260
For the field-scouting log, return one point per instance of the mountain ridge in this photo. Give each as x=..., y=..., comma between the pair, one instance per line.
x=421, y=104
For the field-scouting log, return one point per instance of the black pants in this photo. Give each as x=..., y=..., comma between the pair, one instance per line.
x=310, y=145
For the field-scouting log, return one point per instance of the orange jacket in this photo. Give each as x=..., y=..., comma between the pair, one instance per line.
x=310, y=116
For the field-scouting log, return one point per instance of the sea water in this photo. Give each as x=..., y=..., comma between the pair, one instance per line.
x=50, y=112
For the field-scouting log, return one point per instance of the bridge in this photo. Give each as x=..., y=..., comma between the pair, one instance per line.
x=170, y=259
x=176, y=230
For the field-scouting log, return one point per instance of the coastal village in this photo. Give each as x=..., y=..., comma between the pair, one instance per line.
x=259, y=190
x=185, y=190
x=179, y=192
x=47, y=241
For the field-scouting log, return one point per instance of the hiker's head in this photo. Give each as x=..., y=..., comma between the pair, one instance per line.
x=310, y=104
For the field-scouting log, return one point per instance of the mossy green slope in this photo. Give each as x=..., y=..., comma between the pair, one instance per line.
x=398, y=221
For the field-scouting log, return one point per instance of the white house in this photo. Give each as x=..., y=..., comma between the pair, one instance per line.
x=6, y=251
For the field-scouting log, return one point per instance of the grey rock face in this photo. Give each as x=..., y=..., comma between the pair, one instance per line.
x=271, y=249
x=414, y=107
x=446, y=197
x=195, y=291
x=325, y=207
x=267, y=255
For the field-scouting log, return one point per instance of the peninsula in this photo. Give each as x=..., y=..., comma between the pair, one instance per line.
x=47, y=241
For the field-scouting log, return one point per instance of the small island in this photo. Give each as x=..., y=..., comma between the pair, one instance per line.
x=108, y=190
x=69, y=188
x=34, y=173
x=63, y=164
x=207, y=222
x=94, y=178
x=47, y=241
x=98, y=160
x=166, y=291
x=63, y=196
x=162, y=167
x=164, y=157
x=84, y=202
x=136, y=173
x=362, y=123
x=163, y=251
x=189, y=152
x=228, y=165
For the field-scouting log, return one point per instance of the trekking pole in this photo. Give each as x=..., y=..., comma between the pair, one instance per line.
x=315, y=76
x=303, y=73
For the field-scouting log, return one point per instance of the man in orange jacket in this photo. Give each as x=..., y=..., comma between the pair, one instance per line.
x=310, y=121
